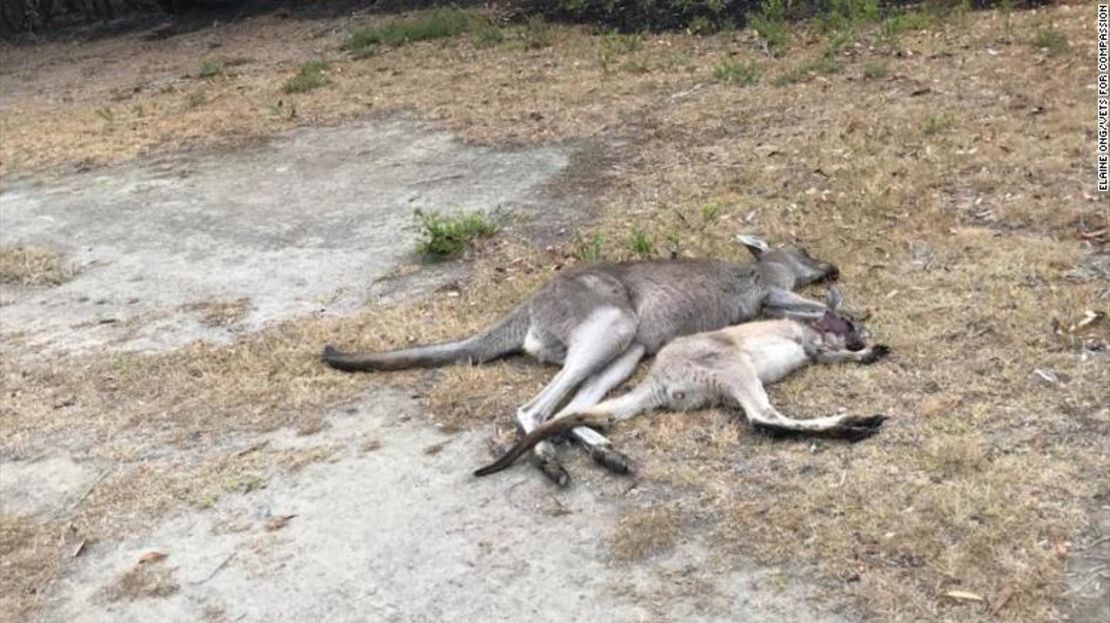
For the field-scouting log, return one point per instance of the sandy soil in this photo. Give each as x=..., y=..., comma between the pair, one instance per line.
x=399, y=532
x=160, y=186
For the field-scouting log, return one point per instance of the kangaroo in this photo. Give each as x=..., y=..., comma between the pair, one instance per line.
x=599, y=320
x=731, y=366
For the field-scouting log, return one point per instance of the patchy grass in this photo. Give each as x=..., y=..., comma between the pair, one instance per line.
x=197, y=99
x=640, y=244
x=847, y=15
x=645, y=532
x=736, y=71
x=294, y=461
x=823, y=65
x=228, y=476
x=614, y=45
x=965, y=246
x=875, y=71
x=211, y=68
x=105, y=113
x=1052, y=41
x=311, y=75
x=623, y=43
x=955, y=455
x=936, y=124
x=143, y=581
x=31, y=265
x=1006, y=8
x=32, y=555
x=487, y=35
x=435, y=24
x=447, y=237
x=907, y=21
x=588, y=248
x=711, y=212
x=537, y=33
x=770, y=24
x=219, y=313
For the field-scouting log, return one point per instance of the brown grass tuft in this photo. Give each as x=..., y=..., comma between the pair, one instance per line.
x=966, y=242
x=311, y=424
x=645, y=532
x=144, y=581
x=219, y=313
x=951, y=456
x=295, y=460
x=30, y=265
x=32, y=554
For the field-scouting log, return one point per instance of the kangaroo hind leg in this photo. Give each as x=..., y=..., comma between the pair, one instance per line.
x=591, y=393
x=606, y=333
x=743, y=386
x=606, y=413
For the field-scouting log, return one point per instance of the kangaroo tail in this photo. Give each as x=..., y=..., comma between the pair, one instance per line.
x=538, y=434
x=646, y=396
x=504, y=338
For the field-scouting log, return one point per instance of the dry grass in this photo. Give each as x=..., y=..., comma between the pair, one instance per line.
x=966, y=238
x=219, y=313
x=143, y=581
x=208, y=402
x=295, y=461
x=30, y=265
x=644, y=532
x=31, y=556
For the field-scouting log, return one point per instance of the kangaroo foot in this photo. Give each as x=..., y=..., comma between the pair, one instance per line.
x=850, y=429
x=544, y=458
x=858, y=428
x=611, y=460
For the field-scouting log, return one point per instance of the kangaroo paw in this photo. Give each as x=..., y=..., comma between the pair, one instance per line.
x=551, y=468
x=554, y=472
x=878, y=351
x=860, y=428
x=611, y=460
x=776, y=432
x=851, y=429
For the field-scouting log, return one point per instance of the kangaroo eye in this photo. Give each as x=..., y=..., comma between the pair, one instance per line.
x=679, y=394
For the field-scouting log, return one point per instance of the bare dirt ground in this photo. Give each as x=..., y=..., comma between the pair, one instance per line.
x=306, y=223
x=948, y=170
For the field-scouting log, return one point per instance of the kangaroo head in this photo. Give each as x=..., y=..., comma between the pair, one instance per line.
x=791, y=266
x=839, y=326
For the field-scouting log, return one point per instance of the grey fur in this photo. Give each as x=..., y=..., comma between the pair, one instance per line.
x=504, y=338
x=729, y=366
x=598, y=320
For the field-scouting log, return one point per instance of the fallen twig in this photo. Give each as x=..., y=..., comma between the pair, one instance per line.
x=77, y=502
x=256, y=447
x=216, y=570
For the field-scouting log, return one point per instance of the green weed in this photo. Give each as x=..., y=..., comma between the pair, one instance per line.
x=588, y=249
x=436, y=24
x=639, y=244
x=311, y=75
x=734, y=71
x=446, y=237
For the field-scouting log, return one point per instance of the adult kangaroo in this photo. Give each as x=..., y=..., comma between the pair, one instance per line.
x=599, y=320
x=730, y=366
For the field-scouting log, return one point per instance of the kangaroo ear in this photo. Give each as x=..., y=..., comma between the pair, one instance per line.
x=833, y=298
x=756, y=245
